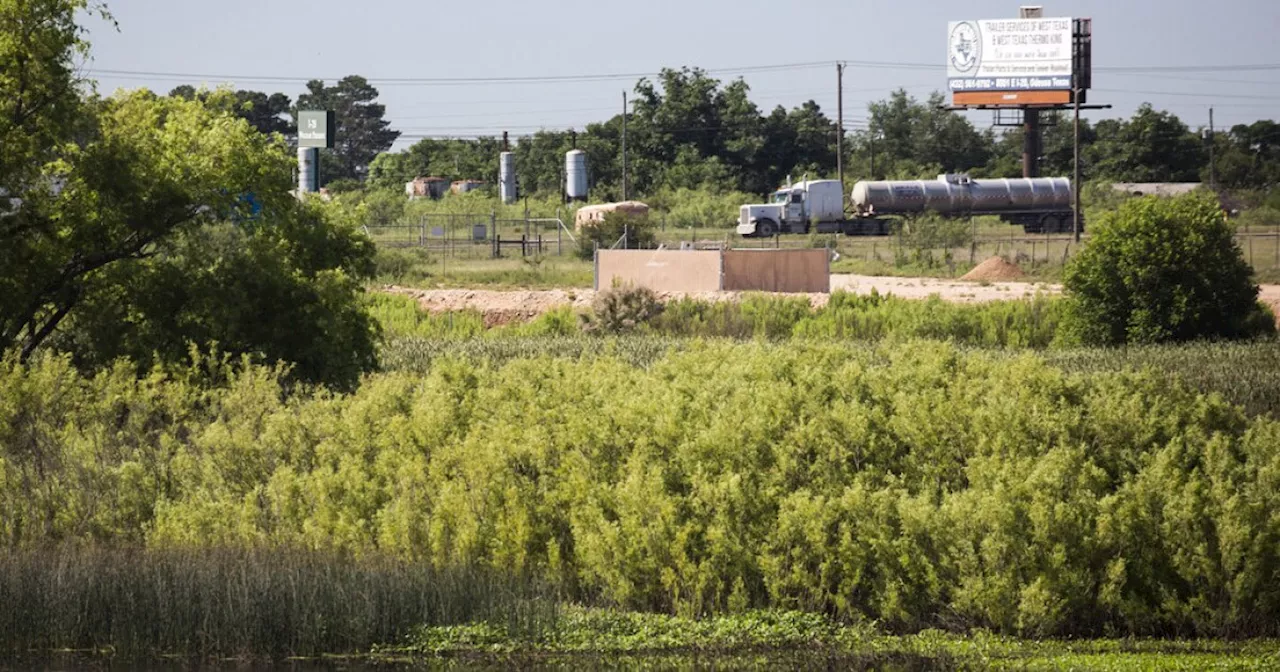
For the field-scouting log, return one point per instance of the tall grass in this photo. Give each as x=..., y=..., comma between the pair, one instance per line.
x=1019, y=324
x=238, y=602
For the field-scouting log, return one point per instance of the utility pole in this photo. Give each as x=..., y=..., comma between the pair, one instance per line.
x=624, y=145
x=871, y=138
x=1075, y=217
x=1213, y=164
x=840, y=123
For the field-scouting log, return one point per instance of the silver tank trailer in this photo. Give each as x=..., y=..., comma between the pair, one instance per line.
x=958, y=194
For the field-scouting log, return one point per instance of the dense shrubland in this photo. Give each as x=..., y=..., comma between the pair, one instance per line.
x=914, y=484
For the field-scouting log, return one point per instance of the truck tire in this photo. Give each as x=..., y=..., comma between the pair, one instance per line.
x=766, y=228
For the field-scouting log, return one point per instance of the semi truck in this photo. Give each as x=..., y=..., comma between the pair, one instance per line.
x=1038, y=205
x=809, y=205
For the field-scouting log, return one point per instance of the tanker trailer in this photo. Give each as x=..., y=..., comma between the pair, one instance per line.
x=1038, y=204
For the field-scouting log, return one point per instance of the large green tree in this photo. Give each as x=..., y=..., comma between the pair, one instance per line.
x=269, y=113
x=40, y=93
x=149, y=167
x=1248, y=157
x=914, y=139
x=362, y=133
x=147, y=224
x=1151, y=146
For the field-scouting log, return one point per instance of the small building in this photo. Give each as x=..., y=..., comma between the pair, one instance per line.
x=591, y=215
x=427, y=187
x=464, y=186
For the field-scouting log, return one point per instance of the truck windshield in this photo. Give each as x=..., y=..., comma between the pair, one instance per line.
x=781, y=197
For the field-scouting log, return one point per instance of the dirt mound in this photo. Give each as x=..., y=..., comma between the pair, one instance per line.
x=995, y=269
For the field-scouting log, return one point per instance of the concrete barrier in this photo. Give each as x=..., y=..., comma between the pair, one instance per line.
x=788, y=271
x=660, y=270
x=791, y=271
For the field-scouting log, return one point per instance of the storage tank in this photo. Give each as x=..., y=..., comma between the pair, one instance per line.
x=507, y=177
x=308, y=169
x=956, y=194
x=575, y=170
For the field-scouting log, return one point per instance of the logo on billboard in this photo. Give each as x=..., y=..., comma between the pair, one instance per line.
x=966, y=47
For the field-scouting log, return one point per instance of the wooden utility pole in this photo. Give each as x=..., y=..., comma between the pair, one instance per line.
x=840, y=123
x=624, y=145
x=1213, y=164
x=1075, y=218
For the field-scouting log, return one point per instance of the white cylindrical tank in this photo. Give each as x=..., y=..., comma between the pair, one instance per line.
x=957, y=194
x=575, y=170
x=308, y=170
x=507, y=177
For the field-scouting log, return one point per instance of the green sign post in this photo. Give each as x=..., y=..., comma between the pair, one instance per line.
x=316, y=128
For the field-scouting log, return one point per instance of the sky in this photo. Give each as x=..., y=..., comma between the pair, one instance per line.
x=1189, y=54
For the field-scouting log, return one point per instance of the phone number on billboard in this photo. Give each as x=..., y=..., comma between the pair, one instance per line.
x=1010, y=83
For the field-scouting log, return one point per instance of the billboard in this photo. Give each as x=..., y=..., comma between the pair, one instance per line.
x=1000, y=55
x=316, y=128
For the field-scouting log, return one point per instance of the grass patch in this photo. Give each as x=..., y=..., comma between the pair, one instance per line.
x=792, y=639
x=242, y=602
x=418, y=268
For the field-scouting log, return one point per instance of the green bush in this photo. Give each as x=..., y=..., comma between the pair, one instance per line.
x=1160, y=270
x=639, y=232
x=914, y=484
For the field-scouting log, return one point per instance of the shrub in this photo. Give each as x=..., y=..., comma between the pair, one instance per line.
x=622, y=309
x=604, y=235
x=1162, y=270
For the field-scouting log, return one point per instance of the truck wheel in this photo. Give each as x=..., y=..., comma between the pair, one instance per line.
x=765, y=228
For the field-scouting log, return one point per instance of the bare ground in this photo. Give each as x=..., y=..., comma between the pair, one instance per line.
x=503, y=307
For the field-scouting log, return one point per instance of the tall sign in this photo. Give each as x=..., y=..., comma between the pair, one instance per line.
x=316, y=130
x=1012, y=62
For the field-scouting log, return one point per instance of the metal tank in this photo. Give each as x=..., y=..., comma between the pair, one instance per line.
x=507, y=177
x=575, y=170
x=958, y=194
x=308, y=169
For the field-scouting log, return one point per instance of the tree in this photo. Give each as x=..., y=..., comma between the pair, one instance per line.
x=362, y=130
x=39, y=92
x=1248, y=156
x=267, y=113
x=1150, y=147
x=286, y=291
x=1161, y=270
x=914, y=139
x=122, y=260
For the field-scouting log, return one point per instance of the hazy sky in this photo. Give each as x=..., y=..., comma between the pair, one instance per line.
x=282, y=44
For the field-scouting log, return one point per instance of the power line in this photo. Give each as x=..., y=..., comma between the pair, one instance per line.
x=445, y=81
x=604, y=77
x=1195, y=95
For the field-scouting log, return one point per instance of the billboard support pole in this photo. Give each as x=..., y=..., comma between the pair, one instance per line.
x=1031, y=142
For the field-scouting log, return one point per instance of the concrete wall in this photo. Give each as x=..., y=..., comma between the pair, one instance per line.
x=660, y=270
x=790, y=271
x=793, y=271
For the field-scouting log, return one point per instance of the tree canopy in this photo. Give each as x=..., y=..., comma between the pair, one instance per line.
x=147, y=224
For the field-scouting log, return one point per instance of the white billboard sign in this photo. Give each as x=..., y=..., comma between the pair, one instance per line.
x=1010, y=55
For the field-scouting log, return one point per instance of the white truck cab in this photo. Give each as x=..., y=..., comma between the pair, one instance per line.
x=794, y=209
